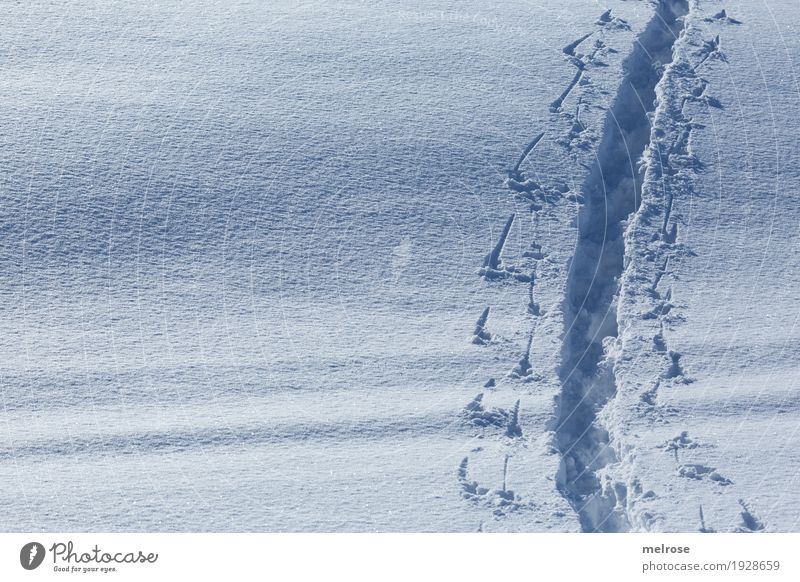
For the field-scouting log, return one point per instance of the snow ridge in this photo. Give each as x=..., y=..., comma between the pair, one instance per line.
x=646, y=309
x=612, y=193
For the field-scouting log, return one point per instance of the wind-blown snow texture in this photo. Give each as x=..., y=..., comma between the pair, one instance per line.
x=419, y=266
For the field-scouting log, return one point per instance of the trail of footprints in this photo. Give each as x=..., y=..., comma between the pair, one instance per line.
x=680, y=159
x=504, y=423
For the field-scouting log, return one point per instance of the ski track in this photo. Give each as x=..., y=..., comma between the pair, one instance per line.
x=493, y=269
x=652, y=246
x=633, y=155
x=612, y=193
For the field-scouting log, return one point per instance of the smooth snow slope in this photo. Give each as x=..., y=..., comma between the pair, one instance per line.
x=348, y=266
x=241, y=249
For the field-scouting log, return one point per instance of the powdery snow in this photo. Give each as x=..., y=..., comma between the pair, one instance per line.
x=345, y=266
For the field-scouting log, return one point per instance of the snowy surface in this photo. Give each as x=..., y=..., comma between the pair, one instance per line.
x=419, y=266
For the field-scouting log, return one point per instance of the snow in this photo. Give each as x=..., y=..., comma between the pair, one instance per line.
x=733, y=285
x=349, y=266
